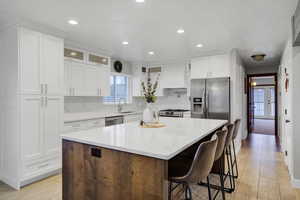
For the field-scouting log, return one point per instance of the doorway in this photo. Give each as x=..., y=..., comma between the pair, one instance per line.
x=262, y=104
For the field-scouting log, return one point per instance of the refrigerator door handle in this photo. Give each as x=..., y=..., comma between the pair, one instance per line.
x=207, y=104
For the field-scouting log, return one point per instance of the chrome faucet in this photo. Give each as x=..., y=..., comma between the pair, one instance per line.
x=120, y=106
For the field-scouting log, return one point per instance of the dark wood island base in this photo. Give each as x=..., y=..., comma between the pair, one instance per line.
x=96, y=173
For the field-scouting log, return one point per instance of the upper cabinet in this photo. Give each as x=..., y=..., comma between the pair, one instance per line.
x=174, y=75
x=210, y=67
x=41, y=63
x=86, y=74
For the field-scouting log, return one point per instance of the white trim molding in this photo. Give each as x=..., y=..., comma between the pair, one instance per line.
x=295, y=182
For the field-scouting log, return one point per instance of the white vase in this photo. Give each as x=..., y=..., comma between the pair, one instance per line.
x=148, y=115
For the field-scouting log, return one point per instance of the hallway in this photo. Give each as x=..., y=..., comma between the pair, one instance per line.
x=263, y=176
x=264, y=126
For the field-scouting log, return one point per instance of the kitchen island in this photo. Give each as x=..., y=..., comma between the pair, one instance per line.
x=126, y=161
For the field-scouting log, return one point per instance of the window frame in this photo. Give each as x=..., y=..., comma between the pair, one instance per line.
x=129, y=86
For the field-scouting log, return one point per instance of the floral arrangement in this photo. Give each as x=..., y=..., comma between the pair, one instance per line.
x=149, y=89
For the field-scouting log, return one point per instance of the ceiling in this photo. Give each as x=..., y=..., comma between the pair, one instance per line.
x=256, y=26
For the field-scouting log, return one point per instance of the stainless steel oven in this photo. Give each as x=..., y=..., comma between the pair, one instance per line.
x=172, y=113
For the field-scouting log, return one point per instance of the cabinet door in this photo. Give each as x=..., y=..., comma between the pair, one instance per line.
x=136, y=87
x=67, y=79
x=77, y=79
x=159, y=90
x=52, y=64
x=31, y=127
x=53, y=124
x=29, y=44
x=92, y=86
x=104, y=80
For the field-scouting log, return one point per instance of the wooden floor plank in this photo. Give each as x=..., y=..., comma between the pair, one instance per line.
x=263, y=176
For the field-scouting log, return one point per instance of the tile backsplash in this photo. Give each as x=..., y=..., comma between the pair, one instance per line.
x=95, y=104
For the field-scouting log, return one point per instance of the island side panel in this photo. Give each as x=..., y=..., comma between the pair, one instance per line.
x=115, y=175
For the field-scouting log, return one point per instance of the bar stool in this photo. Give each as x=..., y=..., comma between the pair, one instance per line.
x=229, y=173
x=222, y=136
x=237, y=124
x=198, y=170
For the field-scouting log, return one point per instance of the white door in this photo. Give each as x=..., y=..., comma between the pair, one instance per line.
x=31, y=127
x=29, y=44
x=264, y=102
x=53, y=124
x=104, y=80
x=77, y=79
x=52, y=64
x=92, y=86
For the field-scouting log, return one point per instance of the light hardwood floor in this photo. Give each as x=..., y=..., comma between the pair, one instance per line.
x=263, y=176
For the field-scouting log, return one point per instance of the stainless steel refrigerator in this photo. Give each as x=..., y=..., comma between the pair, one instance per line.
x=210, y=98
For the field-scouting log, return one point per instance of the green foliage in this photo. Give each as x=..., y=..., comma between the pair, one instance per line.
x=149, y=89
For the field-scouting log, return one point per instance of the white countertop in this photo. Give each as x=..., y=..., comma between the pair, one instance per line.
x=163, y=143
x=80, y=116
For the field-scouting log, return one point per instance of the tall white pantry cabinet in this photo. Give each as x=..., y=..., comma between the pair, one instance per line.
x=31, y=100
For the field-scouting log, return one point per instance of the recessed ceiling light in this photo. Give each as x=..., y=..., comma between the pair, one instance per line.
x=73, y=22
x=73, y=53
x=199, y=45
x=125, y=43
x=180, y=31
x=140, y=1
x=151, y=53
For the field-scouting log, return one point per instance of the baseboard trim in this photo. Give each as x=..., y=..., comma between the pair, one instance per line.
x=12, y=183
x=296, y=183
x=40, y=177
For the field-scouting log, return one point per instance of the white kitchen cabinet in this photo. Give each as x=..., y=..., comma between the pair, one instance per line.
x=132, y=118
x=92, y=80
x=52, y=124
x=31, y=127
x=86, y=80
x=52, y=66
x=40, y=63
x=29, y=61
x=173, y=76
x=137, y=77
x=210, y=67
x=40, y=134
x=154, y=75
x=32, y=70
x=104, y=80
x=70, y=127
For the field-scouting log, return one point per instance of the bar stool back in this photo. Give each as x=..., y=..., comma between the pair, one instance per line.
x=229, y=173
x=237, y=124
x=199, y=169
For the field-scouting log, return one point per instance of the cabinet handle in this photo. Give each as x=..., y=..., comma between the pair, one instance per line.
x=42, y=101
x=46, y=88
x=42, y=89
x=73, y=91
x=46, y=101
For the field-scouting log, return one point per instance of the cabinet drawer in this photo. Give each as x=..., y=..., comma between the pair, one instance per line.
x=34, y=168
x=94, y=123
x=73, y=127
x=132, y=118
x=83, y=125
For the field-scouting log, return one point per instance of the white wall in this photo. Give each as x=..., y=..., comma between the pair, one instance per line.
x=262, y=70
x=239, y=98
x=289, y=100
